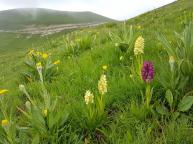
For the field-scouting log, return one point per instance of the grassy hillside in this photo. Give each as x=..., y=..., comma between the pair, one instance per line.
x=13, y=48
x=16, y=18
x=92, y=85
x=173, y=16
x=13, y=45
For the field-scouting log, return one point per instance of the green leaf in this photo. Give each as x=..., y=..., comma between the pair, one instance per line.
x=161, y=109
x=166, y=44
x=169, y=97
x=185, y=104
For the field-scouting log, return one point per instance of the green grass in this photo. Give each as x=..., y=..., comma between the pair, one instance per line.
x=122, y=115
x=13, y=49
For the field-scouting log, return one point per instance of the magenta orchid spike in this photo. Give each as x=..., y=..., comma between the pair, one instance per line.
x=147, y=71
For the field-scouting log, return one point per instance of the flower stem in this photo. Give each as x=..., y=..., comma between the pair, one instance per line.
x=148, y=94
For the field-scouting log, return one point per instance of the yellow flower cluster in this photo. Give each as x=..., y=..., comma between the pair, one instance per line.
x=172, y=62
x=121, y=58
x=4, y=122
x=89, y=97
x=105, y=67
x=45, y=55
x=37, y=53
x=56, y=62
x=138, y=27
x=171, y=59
x=45, y=112
x=139, y=46
x=3, y=91
x=102, y=85
x=31, y=52
x=39, y=65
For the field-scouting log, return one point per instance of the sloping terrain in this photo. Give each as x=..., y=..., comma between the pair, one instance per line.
x=172, y=16
x=86, y=86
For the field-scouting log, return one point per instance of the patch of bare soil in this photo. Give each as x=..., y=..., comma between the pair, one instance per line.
x=51, y=29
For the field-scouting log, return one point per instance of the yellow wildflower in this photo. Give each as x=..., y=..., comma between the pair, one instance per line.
x=139, y=46
x=38, y=53
x=121, y=58
x=139, y=27
x=4, y=122
x=3, y=91
x=171, y=59
x=45, y=55
x=105, y=67
x=102, y=85
x=89, y=97
x=56, y=62
x=45, y=112
x=172, y=62
x=39, y=65
x=116, y=44
x=31, y=52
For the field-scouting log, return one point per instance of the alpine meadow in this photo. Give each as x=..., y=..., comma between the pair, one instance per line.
x=82, y=78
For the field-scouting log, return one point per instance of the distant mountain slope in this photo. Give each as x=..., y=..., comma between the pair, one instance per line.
x=15, y=18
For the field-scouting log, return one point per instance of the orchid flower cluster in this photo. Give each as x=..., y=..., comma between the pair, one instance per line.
x=138, y=53
x=147, y=71
x=147, y=74
x=139, y=46
x=95, y=106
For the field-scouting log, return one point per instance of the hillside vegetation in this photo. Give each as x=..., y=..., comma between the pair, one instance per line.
x=118, y=83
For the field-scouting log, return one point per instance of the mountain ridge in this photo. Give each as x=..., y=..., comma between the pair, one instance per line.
x=16, y=18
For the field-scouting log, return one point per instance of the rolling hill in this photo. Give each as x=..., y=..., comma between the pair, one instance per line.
x=17, y=18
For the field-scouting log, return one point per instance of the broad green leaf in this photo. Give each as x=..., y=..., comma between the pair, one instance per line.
x=169, y=97
x=161, y=110
x=185, y=104
x=166, y=44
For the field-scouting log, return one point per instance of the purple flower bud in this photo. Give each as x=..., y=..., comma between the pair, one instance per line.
x=147, y=71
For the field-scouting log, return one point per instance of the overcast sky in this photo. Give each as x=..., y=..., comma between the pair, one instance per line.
x=117, y=9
